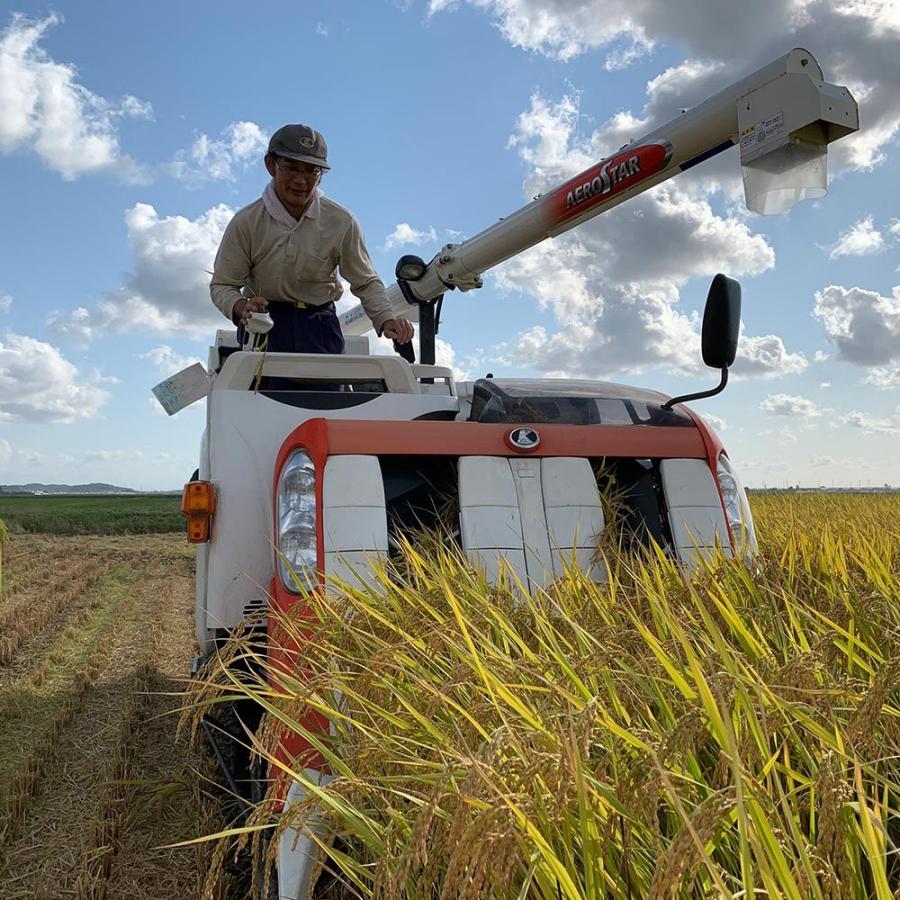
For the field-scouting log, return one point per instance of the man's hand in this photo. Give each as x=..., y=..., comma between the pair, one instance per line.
x=244, y=309
x=399, y=330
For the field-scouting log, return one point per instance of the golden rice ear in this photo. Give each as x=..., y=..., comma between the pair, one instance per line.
x=4, y=536
x=647, y=734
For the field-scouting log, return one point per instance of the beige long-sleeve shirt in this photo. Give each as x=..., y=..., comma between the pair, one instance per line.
x=278, y=261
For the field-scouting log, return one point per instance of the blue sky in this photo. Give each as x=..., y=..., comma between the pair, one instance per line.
x=130, y=133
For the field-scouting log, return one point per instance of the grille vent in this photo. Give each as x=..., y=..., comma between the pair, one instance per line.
x=256, y=608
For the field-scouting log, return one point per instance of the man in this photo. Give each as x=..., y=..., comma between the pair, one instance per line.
x=282, y=254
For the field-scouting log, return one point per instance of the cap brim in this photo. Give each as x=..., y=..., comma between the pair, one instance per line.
x=312, y=160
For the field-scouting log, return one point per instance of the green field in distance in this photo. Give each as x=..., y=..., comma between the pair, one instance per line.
x=82, y=514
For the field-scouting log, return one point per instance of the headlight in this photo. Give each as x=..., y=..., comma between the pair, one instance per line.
x=297, y=542
x=737, y=508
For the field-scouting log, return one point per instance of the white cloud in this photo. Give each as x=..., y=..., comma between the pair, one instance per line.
x=544, y=136
x=6, y=302
x=716, y=421
x=445, y=355
x=168, y=291
x=404, y=235
x=239, y=145
x=872, y=424
x=783, y=435
x=883, y=14
x=134, y=108
x=444, y=352
x=856, y=43
x=790, y=405
x=686, y=83
x=561, y=30
x=113, y=456
x=321, y=29
x=37, y=384
x=195, y=409
x=616, y=302
x=45, y=110
x=818, y=462
x=167, y=361
x=78, y=326
x=767, y=357
x=5, y=451
x=884, y=377
x=861, y=239
x=864, y=325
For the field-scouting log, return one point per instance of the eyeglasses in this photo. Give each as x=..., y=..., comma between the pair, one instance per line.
x=292, y=169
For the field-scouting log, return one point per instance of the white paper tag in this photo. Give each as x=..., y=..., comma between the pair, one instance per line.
x=182, y=389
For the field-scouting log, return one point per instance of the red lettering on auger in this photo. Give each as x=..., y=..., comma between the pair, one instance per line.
x=606, y=179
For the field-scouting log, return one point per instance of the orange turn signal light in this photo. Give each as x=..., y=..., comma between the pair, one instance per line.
x=198, y=503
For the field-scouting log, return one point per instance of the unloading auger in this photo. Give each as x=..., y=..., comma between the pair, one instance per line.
x=782, y=117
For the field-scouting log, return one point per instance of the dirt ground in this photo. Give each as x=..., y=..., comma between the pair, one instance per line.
x=96, y=640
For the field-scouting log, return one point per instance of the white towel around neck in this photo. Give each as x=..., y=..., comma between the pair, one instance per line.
x=276, y=209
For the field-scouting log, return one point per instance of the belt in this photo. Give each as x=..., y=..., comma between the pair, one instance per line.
x=301, y=304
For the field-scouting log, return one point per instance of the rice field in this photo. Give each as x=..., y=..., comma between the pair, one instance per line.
x=737, y=734
x=732, y=735
x=88, y=514
x=96, y=637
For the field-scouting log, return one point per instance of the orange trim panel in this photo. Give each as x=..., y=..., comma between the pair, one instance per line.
x=330, y=437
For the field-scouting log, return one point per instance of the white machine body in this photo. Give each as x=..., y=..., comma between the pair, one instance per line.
x=321, y=481
x=522, y=517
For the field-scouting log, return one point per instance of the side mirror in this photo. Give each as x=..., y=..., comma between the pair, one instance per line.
x=719, y=339
x=721, y=322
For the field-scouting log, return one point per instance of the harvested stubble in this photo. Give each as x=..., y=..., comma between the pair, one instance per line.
x=41, y=602
x=166, y=796
x=36, y=716
x=648, y=737
x=3, y=536
x=21, y=561
x=88, y=760
x=103, y=829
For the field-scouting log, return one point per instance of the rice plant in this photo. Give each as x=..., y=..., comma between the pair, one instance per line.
x=3, y=537
x=732, y=734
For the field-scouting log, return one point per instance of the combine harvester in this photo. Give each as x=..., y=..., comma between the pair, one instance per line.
x=295, y=485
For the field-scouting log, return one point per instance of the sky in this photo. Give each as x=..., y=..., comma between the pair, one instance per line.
x=131, y=132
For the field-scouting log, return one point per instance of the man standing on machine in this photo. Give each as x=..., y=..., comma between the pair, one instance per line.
x=282, y=254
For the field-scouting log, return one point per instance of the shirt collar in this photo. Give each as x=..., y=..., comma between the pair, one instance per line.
x=312, y=211
x=276, y=209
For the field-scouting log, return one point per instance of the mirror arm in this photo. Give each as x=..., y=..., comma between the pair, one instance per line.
x=699, y=396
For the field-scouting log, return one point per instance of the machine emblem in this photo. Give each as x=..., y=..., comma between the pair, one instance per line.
x=524, y=439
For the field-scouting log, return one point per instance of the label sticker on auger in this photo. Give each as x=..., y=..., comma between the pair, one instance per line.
x=606, y=179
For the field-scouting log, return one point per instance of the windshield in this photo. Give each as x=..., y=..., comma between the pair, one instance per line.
x=570, y=403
